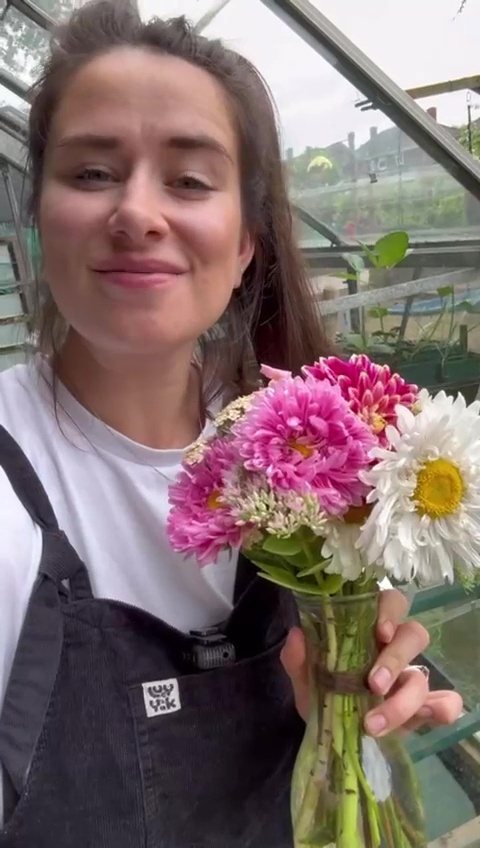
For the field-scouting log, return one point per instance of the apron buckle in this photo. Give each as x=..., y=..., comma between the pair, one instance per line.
x=211, y=649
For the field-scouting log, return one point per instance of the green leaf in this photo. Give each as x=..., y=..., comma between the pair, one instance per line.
x=466, y=306
x=313, y=569
x=356, y=340
x=333, y=583
x=282, y=547
x=291, y=583
x=391, y=249
x=371, y=254
x=445, y=291
x=355, y=261
x=264, y=559
x=378, y=312
x=378, y=347
x=299, y=560
x=274, y=570
x=343, y=275
x=278, y=575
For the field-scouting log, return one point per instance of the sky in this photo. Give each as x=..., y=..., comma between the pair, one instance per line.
x=416, y=42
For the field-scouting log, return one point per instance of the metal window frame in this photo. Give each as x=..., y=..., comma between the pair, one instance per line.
x=317, y=31
x=13, y=84
x=33, y=12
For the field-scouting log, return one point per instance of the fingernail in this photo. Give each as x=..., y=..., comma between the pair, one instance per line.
x=376, y=723
x=425, y=712
x=388, y=631
x=382, y=678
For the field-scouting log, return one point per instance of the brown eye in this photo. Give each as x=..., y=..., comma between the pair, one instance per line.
x=94, y=175
x=189, y=182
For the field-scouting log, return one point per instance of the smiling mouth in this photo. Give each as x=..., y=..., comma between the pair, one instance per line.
x=138, y=279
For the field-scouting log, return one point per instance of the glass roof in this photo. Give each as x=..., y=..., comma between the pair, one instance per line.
x=23, y=46
x=58, y=9
x=351, y=169
x=414, y=55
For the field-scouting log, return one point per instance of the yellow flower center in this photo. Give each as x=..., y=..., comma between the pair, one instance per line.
x=377, y=422
x=439, y=488
x=305, y=450
x=214, y=500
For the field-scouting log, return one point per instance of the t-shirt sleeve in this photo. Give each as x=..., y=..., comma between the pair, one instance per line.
x=20, y=552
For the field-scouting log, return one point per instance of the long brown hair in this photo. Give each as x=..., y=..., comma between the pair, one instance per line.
x=271, y=317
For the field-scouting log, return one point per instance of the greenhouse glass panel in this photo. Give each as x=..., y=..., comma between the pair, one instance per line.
x=23, y=46
x=385, y=27
x=59, y=9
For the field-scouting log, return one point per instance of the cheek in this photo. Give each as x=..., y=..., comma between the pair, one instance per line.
x=66, y=221
x=215, y=239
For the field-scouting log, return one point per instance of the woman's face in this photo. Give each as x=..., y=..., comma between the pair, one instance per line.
x=140, y=214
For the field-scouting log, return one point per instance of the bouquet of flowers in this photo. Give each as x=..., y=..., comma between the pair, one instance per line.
x=330, y=481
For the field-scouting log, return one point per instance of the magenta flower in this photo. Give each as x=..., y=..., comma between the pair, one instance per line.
x=199, y=522
x=371, y=390
x=274, y=373
x=300, y=434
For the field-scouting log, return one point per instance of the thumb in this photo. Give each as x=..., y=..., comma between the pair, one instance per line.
x=294, y=661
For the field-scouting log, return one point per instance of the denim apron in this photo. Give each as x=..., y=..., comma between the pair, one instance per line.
x=119, y=731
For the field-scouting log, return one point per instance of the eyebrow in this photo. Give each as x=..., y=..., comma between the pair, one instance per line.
x=178, y=142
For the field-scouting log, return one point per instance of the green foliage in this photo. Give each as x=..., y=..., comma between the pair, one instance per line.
x=390, y=249
x=302, y=177
x=464, y=139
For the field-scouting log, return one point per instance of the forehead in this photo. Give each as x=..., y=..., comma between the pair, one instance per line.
x=136, y=92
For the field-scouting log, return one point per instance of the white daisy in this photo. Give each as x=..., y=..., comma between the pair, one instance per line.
x=425, y=523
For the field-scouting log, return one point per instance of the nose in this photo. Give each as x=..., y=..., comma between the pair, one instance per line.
x=140, y=211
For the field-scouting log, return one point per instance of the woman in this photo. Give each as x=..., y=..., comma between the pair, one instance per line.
x=161, y=716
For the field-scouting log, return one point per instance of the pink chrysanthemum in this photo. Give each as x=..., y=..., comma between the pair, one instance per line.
x=199, y=522
x=371, y=390
x=301, y=435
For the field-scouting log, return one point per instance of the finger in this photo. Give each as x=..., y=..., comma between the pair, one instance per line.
x=294, y=661
x=392, y=609
x=401, y=707
x=441, y=707
x=409, y=641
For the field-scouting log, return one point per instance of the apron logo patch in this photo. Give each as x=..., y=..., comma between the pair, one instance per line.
x=161, y=697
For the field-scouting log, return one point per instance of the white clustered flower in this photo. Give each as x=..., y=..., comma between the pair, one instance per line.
x=195, y=452
x=279, y=514
x=425, y=523
x=233, y=412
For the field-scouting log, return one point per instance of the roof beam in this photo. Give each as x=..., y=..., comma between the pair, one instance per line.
x=308, y=22
x=34, y=12
x=14, y=84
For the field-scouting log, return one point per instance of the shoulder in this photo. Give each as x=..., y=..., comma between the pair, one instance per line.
x=20, y=552
x=18, y=388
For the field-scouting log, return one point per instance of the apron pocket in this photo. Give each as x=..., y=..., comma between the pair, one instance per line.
x=216, y=751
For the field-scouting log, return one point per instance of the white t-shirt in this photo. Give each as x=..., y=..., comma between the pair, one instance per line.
x=111, y=502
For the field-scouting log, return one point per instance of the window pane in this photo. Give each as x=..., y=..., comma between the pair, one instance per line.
x=23, y=46
x=425, y=61
x=192, y=9
x=353, y=170
x=59, y=9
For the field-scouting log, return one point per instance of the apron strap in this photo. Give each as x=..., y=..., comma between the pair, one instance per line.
x=39, y=649
x=59, y=560
x=25, y=482
x=31, y=682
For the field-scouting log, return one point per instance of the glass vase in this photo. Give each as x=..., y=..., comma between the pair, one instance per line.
x=349, y=790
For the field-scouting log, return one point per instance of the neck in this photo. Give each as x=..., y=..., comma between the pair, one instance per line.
x=153, y=400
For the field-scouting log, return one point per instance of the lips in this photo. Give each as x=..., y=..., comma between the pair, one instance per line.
x=138, y=273
x=139, y=266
